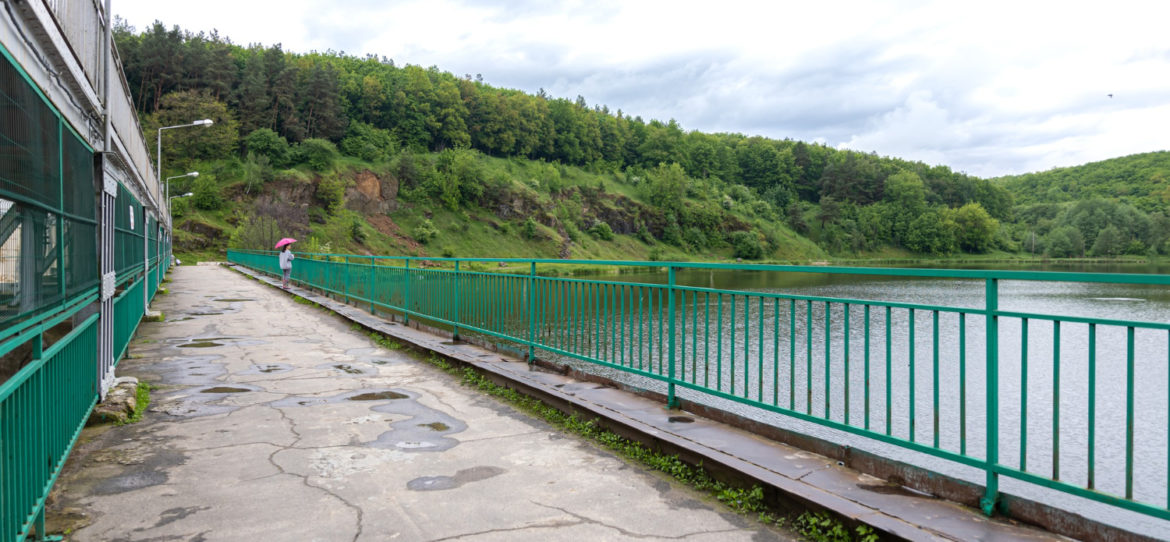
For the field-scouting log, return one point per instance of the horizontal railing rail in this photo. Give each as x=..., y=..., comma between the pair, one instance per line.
x=1040, y=398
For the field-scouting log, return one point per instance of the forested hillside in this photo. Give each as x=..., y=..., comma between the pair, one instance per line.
x=295, y=131
x=1108, y=208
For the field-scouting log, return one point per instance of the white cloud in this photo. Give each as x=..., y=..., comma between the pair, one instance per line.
x=989, y=88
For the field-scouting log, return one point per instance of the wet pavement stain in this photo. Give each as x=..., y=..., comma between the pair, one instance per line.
x=225, y=389
x=354, y=369
x=175, y=514
x=201, y=344
x=680, y=419
x=233, y=300
x=267, y=368
x=378, y=396
x=464, y=476
x=150, y=472
x=435, y=426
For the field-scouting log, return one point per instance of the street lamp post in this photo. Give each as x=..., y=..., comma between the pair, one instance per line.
x=158, y=153
x=168, y=185
x=181, y=196
x=146, y=236
x=169, y=209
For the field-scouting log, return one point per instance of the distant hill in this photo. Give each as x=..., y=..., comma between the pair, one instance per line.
x=1140, y=180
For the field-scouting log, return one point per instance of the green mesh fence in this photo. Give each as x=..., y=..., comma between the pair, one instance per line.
x=49, y=274
x=128, y=228
x=29, y=143
x=80, y=246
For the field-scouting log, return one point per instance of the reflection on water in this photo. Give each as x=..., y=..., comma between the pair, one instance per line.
x=777, y=354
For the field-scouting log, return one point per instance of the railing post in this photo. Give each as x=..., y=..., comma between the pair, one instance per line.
x=406, y=295
x=370, y=290
x=345, y=282
x=455, y=319
x=531, y=313
x=991, y=492
x=671, y=400
x=39, y=523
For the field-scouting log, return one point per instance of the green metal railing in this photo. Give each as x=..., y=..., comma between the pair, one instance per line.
x=898, y=373
x=42, y=410
x=50, y=305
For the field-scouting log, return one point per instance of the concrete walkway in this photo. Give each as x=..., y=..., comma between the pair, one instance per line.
x=275, y=421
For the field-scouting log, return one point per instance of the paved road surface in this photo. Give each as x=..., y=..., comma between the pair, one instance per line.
x=275, y=421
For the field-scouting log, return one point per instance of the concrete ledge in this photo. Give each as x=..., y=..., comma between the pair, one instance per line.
x=794, y=479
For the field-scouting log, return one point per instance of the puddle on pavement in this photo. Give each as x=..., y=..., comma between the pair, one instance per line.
x=680, y=419
x=379, y=396
x=465, y=476
x=225, y=389
x=201, y=344
x=348, y=369
x=233, y=300
x=409, y=433
x=271, y=368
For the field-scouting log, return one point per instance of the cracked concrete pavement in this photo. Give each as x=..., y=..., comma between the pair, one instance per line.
x=274, y=420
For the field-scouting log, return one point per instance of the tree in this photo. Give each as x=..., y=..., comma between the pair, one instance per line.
x=666, y=187
x=319, y=154
x=252, y=98
x=367, y=142
x=906, y=197
x=267, y=143
x=217, y=141
x=746, y=245
x=207, y=195
x=795, y=219
x=977, y=229
x=829, y=210
x=932, y=233
x=451, y=115
x=1108, y=242
x=321, y=104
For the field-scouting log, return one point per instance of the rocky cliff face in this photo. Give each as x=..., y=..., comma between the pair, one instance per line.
x=372, y=195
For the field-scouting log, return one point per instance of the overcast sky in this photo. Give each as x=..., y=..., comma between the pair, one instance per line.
x=990, y=88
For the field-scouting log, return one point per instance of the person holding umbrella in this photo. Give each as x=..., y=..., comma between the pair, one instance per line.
x=286, y=258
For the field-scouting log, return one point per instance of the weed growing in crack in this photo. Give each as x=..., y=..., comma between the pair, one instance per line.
x=142, y=401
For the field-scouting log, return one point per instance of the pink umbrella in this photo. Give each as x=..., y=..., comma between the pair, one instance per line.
x=285, y=241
